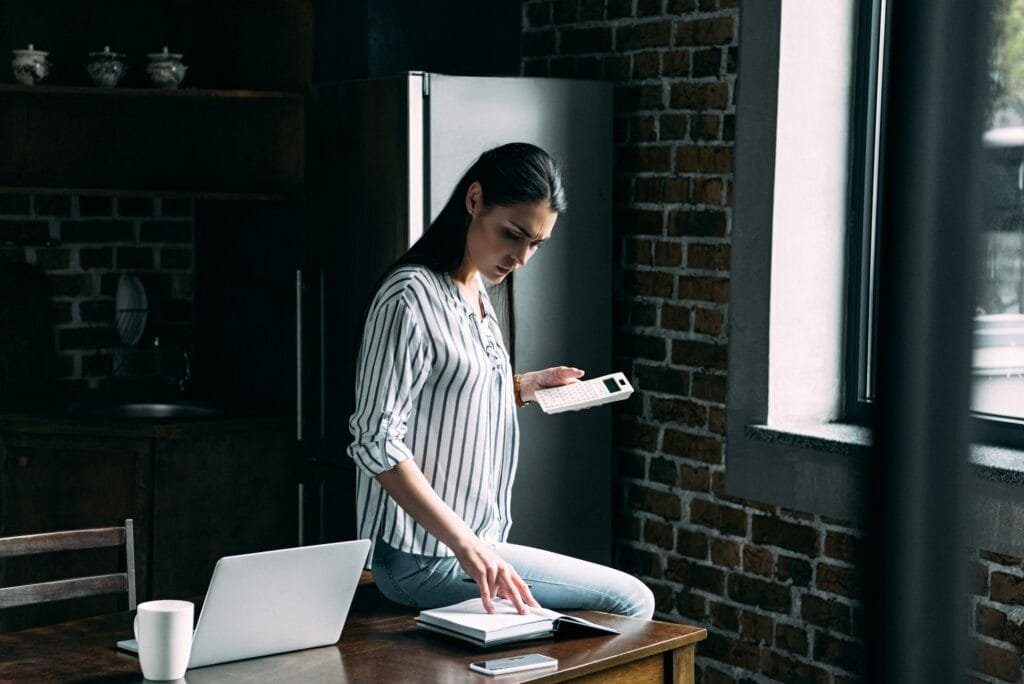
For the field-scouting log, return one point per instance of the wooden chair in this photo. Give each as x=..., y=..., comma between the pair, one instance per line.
x=31, y=544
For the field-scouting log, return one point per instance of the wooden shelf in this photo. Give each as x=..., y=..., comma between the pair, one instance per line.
x=235, y=130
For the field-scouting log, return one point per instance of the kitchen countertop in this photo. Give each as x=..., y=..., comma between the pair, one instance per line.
x=62, y=422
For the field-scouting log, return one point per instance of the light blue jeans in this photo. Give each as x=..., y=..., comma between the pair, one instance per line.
x=557, y=582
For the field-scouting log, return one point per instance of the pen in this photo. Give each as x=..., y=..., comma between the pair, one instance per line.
x=470, y=579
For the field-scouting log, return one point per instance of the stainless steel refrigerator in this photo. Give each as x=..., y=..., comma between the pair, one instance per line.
x=388, y=154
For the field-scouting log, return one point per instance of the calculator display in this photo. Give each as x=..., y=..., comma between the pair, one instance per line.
x=611, y=385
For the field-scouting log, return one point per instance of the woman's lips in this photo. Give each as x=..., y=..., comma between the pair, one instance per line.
x=503, y=271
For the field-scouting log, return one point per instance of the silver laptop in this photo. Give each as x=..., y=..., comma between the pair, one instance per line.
x=259, y=604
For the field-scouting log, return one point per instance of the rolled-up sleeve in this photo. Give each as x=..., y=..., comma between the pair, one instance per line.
x=394, y=361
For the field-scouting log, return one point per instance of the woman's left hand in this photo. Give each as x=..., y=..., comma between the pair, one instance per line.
x=529, y=383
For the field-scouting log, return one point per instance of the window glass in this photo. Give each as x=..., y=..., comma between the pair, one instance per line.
x=998, y=362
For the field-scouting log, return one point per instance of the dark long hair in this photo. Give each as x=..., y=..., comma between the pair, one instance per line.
x=509, y=174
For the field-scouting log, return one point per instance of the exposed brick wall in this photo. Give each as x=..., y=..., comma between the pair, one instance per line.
x=778, y=590
x=83, y=244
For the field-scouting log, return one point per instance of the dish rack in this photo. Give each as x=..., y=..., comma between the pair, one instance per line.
x=132, y=309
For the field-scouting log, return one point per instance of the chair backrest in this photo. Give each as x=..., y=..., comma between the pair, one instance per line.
x=72, y=540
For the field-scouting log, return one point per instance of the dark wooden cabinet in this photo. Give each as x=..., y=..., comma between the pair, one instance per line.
x=235, y=128
x=197, y=491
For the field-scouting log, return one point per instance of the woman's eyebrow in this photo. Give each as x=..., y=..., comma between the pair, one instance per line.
x=525, y=232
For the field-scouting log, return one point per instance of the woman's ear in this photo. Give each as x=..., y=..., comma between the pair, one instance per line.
x=474, y=198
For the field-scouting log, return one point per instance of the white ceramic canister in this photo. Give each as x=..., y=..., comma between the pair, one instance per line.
x=29, y=65
x=165, y=69
x=106, y=68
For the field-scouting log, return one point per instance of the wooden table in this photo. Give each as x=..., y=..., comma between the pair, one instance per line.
x=380, y=643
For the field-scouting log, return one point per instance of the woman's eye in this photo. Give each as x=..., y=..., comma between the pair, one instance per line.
x=514, y=237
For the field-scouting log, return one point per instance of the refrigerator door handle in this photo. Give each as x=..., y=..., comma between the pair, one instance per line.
x=298, y=354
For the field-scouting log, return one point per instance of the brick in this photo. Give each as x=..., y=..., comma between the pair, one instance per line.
x=648, y=283
x=632, y=465
x=53, y=258
x=536, y=67
x=637, y=251
x=1007, y=588
x=175, y=258
x=579, y=40
x=663, y=471
x=678, y=411
x=995, y=623
x=70, y=285
x=716, y=420
x=784, y=669
x=978, y=583
x=691, y=605
x=134, y=257
x=641, y=347
x=705, y=289
x=665, y=504
x=658, y=533
x=725, y=553
x=697, y=223
x=24, y=232
x=708, y=257
x=648, y=189
x=694, y=447
x=707, y=63
x=725, y=519
x=643, y=314
x=837, y=651
x=95, y=257
x=86, y=338
x=728, y=127
x=631, y=98
x=97, y=365
x=724, y=616
x=617, y=68
x=96, y=231
x=705, y=127
x=15, y=205
x=644, y=159
x=698, y=354
x=668, y=253
x=831, y=615
x=677, y=189
x=765, y=595
x=698, y=32
x=731, y=651
x=702, y=95
x=539, y=13
x=692, y=544
x=538, y=43
x=795, y=571
x=563, y=67
x=756, y=628
x=708, y=387
x=694, y=479
x=61, y=313
x=646, y=65
x=674, y=317
x=640, y=221
x=52, y=205
x=644, y=129
x=96, y=311
x=708, y=191
x=791, y=536
x=591, y=10
x=662, y=379
x=996, y=662
x=675, y=63
x=708, y=321
x=96, y=206
x=681, y=6
x=838, y=580
x=695, y=575
x=712, y=676
x=673, y=127
x=705, y=159
x=707, y=5
x=757, y=560
x=639, y=562
x=647, y=8
x=842, y=546
x=564, y=11
x=1001, y=559
x=627, y=529
x=791, y=639
x=647, y=34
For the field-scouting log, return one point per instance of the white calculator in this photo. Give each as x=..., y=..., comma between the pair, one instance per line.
x=581, y=395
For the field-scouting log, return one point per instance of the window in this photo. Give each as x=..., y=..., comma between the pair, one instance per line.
x=998, y=359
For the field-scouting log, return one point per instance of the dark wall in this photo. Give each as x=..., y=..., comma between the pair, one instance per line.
x=363, y=39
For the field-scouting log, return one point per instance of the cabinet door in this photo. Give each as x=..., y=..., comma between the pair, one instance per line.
x=218, y=495
x=58, y=482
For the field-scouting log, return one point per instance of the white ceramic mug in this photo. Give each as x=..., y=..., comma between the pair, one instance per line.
x=164, y=632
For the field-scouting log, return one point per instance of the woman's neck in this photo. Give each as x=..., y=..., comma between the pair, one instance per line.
x=465, y=278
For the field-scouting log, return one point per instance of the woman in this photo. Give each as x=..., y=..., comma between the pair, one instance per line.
x=435, y=432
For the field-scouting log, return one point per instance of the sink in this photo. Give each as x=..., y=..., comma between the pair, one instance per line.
x=156, y=410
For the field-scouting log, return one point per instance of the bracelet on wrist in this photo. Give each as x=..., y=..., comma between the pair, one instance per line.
x=516, y=379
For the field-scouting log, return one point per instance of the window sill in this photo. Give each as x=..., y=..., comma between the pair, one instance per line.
x=818, y=468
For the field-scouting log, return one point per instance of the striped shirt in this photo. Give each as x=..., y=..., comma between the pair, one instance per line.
x=433, y=384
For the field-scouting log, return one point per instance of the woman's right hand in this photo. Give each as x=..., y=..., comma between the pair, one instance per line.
x=494, y=576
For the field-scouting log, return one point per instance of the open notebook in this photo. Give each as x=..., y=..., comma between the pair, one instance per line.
x=469, y=622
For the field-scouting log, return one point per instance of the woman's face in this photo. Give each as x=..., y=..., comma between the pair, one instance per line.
x=501, y=239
